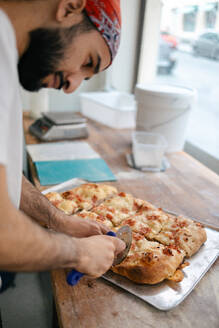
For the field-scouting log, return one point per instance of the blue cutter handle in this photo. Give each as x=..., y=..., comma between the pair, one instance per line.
x=74, y=276
x=111, y=233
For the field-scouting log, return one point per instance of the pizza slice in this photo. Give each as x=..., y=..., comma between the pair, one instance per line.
x=150, y=262
x=167, y=229
x=118, y=208
x=89, y=195
x=183, y=233
x=138, y=224
x=95, y=217
x=54, y=197
x=147, y=221
x=68, y=206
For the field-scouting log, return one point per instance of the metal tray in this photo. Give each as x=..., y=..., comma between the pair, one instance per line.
x=167, y=294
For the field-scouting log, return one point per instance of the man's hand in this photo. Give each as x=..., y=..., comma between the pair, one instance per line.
x=96, y=254
x=77, y=227
x=25, y=246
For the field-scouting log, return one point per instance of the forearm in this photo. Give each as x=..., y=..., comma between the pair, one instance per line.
x=25, y=246
x=36, y=205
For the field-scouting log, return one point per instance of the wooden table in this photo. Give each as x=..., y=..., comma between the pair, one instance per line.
x=187, y=187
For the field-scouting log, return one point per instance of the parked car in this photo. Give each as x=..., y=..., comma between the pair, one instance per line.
x=207, y=45
x=169, y=38
x=166, y=58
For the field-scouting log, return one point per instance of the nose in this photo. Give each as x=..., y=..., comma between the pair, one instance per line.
x=74, y=81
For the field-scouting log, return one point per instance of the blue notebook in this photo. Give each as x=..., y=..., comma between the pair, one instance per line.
x=55, y=172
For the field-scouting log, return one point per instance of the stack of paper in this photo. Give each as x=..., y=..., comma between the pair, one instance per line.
x=61, y=161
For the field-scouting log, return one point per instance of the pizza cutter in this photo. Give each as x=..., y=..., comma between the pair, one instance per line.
x=125, y=234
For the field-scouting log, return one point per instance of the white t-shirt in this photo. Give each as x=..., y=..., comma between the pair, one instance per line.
x=11, y=127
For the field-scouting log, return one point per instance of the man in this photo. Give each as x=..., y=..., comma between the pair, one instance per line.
x=57, y=44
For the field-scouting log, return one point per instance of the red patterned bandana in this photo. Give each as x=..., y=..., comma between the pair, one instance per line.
x=105, y=15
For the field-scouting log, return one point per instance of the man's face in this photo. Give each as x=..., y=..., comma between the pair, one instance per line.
x=51, y=62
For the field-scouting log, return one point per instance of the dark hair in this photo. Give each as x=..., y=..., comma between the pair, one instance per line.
x=46, y=50
x=83, y=27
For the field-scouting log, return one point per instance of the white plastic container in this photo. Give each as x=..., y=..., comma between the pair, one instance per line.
x=114, y=109
x=39, y=103
x=164, y=109
x=148, y=149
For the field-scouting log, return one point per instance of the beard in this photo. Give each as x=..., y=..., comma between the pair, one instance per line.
x=41, y=58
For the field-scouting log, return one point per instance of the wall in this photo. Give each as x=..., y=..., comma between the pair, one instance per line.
x=124, y=67
x=150, y=41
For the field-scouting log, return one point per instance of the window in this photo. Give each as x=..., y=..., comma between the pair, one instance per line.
x=196, y=65
x=188, y=55
x=211, y=15
x=189, y=18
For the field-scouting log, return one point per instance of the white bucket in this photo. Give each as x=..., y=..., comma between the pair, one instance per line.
x=164, y=109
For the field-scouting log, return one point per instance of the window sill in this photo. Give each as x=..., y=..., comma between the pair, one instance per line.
x=209, y=160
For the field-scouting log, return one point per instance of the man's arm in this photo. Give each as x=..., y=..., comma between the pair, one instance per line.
x=37, y=206
x=26, y=246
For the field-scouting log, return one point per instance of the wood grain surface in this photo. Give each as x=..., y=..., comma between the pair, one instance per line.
x=188, y=188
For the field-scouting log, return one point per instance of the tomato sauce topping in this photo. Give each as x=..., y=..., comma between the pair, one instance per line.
x=112, y=210
x=145, y=230
x=167, y=251
x=124, y=210
x=152, y=217
x=136, y=206
x=174, y=247
x=137, y=236
x=68, y=195
x=56, y=202
x=148, y=257
x=100, y=218
x=94, y=199
x=130, y=222
x=109, y=216
x=199, y=225
x=79, y=199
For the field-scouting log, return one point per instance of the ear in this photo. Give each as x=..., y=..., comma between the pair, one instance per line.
x=69, y=11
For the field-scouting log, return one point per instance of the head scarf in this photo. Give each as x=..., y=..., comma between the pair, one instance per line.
x=106, y=17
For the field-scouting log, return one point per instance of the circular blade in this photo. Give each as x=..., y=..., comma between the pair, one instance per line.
x=125, y=234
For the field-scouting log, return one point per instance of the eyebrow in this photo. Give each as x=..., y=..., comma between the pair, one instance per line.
x=97, y=67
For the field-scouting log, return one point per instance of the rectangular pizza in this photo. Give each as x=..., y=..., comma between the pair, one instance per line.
x=161, y=242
